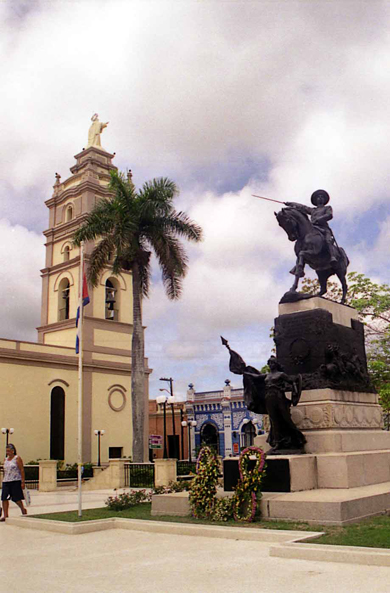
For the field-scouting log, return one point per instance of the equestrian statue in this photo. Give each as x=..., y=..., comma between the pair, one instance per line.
x=315, y=244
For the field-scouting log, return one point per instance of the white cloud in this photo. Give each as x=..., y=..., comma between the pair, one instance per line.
x=21, y=256
x=299, y=90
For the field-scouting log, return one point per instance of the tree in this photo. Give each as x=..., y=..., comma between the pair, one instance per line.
x=372, y=301
x=131, y=225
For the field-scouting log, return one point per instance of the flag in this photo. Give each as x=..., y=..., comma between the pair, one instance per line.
x=85, y=298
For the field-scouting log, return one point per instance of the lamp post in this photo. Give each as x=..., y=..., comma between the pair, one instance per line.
x=7, y=431
x=99, y=433
x=190, y=423
x=171, y=401
x=162, y=399
x=182, y=432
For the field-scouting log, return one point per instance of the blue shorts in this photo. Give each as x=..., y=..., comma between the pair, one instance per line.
x=12, y=490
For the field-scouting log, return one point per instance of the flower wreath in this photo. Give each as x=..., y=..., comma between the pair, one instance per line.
x=204, y=486
x=248, y=487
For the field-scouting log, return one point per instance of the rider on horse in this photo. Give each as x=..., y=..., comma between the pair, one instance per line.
x=319, y=218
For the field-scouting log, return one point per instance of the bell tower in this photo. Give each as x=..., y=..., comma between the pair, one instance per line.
x=108, y=316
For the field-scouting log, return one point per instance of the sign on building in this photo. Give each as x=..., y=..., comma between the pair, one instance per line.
x=155, y=441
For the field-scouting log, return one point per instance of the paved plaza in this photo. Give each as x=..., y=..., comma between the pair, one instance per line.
x=120, y=560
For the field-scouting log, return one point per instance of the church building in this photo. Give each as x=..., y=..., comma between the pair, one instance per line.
x=40, y=380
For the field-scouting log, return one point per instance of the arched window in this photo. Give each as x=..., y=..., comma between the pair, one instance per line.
x=66, y=253
x=63, y=299
x=112, y=300
x=68, y=213
x=57, y=423
x=209, y=436
x=248, y=433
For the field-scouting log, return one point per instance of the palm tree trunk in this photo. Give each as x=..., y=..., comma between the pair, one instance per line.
x=137, y=371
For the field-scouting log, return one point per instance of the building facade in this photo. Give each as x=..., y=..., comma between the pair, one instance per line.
x=40, y=380
x=176, y=434
x=222, y=420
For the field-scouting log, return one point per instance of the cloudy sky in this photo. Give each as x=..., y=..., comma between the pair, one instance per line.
x=226, y=97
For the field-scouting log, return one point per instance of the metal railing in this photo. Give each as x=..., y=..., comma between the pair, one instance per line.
x=31, y=475
x=184, y=468
x=139, y=475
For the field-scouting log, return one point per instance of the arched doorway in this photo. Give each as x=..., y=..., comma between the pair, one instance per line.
x=248, y=433
x=57, y=423
x=209, y=436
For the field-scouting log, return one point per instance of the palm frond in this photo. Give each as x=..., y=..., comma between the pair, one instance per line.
x=173, y=260
x=98, y=222
x=159, y=190
x=99, y=259
x=180, y=223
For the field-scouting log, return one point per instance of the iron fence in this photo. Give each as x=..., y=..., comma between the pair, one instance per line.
x=184, y=468
x=31, y=475
x=139, y=475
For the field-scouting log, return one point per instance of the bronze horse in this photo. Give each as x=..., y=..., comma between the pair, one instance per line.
x=310, y=248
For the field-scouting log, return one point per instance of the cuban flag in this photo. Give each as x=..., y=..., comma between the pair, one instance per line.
x=85, y=302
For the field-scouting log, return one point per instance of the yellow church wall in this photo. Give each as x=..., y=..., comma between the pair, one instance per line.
x=30, y=347
x=8, y=344
x=111, y=358
x=116, y=424
x=112, y=339
x=63, y=337
x=25, y=406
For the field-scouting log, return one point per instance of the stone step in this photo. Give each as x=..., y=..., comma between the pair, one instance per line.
x=328, y=506
x=351, y=470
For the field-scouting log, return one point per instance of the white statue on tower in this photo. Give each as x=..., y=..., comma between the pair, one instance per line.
x=95, y=130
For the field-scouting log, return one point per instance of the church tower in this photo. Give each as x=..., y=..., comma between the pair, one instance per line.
x=108, y=317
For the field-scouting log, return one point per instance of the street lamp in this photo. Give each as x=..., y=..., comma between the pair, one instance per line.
x=162, y=399
x=7, y=431
x=182, y=432
x=99, y=433
x=171, y=401
x=189, y=424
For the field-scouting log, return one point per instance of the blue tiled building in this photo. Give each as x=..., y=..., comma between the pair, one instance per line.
x=222, y=420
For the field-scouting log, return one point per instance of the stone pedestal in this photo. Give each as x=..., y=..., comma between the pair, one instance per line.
x=97, y=469
x=345, y=473
x=117, y=473
x=47, y=475
x=164, y=471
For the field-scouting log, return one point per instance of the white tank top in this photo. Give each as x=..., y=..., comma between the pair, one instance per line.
x=12, y=472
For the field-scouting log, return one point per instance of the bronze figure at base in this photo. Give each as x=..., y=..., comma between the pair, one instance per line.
x=264, y=393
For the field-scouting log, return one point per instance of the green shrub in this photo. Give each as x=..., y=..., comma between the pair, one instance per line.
x=178, y=486
x=126, y=500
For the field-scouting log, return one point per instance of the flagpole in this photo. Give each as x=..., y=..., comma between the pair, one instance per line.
x=80, y=394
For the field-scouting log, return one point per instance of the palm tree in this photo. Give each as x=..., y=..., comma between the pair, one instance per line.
x=130, y=225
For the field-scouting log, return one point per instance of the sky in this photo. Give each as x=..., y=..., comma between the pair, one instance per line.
x=227, y=98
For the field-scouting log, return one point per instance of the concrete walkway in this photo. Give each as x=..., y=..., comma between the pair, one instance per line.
x=62, y=500
x=121, y=560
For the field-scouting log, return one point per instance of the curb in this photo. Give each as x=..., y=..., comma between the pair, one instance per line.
x=219, y=532
x=327, y=553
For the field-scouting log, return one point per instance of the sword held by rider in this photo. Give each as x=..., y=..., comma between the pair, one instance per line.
x=319, y=215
